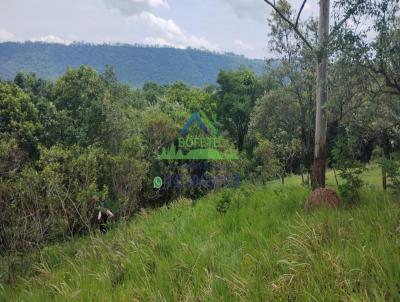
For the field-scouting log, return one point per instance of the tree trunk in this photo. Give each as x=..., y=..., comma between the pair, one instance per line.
x=336, y=180
x=319, y=165
x=386, y=148
x=384, y=179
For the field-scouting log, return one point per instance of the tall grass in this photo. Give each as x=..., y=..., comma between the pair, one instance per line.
x=264, y=248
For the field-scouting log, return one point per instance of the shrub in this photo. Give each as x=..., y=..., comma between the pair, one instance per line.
x=350, y=190
x=350, y=170
x=51, y=199
x=392, y=169
x=224, y=203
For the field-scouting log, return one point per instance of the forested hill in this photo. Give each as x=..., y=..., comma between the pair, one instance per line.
x=134, y=65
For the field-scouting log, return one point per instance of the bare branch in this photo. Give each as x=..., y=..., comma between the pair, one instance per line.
x=349, y=13
x=291, y=24
x=298, y=15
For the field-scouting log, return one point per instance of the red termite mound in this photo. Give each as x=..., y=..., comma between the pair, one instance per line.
x=322, y=197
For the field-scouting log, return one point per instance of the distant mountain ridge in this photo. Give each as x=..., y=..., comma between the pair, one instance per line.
x=134, y=65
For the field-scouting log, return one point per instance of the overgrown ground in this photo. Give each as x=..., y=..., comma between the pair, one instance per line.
x=264, y=248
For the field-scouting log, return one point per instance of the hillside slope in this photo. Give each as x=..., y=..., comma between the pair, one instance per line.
x=133, y=65
x=264, y=248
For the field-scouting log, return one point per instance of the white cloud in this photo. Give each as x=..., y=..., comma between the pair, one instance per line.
x=168, y=27
x=135, y=7
x=158, y=3
x=166, y=31
x=251, y=9
x=172, y=34
x=51, y=39
x=5, y=35
x=243, y=45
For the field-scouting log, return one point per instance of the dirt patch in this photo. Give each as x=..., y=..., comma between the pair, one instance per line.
x=322, y=197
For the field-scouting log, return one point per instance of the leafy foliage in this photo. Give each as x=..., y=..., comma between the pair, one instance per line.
x=224, y=203
x=350, y=170
x=237, y=95
x=392, y=169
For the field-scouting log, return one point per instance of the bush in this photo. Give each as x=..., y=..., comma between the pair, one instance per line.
x=224, y=203
x=51, y=200
x=128, y=172
x=350, y=170
x=392, y=169
x=350, y=190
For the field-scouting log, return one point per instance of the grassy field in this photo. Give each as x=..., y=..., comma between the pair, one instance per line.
x=264, y=248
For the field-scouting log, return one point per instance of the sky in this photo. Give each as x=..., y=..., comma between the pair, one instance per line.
x=238, y=26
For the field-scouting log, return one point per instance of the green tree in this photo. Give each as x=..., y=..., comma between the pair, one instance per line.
x=19, y=118
x=320, y=50
x=237, y=95
x=380, y=56
x=80, y=94
x=267, y=164
x=193, y=99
